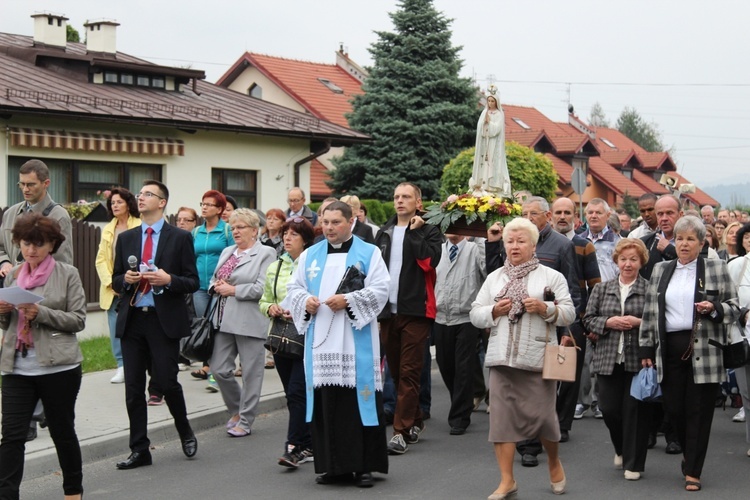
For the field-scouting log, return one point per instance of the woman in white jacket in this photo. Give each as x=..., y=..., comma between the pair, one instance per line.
x=516, y=304
x=739, y=270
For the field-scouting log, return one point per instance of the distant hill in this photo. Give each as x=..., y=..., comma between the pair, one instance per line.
x=730, y=195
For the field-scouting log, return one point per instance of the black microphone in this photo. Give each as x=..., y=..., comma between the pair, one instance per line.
x=133, y=262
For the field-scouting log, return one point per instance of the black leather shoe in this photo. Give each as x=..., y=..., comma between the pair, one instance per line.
x=457, y=431
x=651, y=440
x=673, y=448
x=363, y=480
x=564, y=436
x=529, y=460
x=31, y=435
x=328, y=478
x=136, y=459
x=189, y=445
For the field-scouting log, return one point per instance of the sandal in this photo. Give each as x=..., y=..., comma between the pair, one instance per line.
x=199, y=374
x=692, y=484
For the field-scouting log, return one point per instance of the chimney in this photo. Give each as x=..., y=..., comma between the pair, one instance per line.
x=101, y=36
x=50, y=29
x=343, y=62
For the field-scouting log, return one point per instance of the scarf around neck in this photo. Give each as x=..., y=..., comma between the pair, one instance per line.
x=516, y=289
x=27, y=279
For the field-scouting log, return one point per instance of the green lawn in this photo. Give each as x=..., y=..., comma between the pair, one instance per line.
x=97, y=355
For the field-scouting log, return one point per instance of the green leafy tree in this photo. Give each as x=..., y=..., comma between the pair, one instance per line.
x=71, y=34
x=528, y=170
x=416, y=108
x=597, y=118
x=630, y=205
x=646, y=135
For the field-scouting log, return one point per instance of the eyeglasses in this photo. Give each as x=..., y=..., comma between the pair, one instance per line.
x=207, y=205
x=149, y=194
x=296, y=220
x=185, y=220
x=295, y=200
x=531, y=214
x=30, y=185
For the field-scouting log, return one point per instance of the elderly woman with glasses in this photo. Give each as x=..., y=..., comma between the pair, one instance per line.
x=516, y=304
x=689, y=302
x=239, y=281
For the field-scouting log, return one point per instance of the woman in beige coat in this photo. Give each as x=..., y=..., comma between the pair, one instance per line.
x=40, y=356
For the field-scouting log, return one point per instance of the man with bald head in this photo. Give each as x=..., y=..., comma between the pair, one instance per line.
x=660, y=244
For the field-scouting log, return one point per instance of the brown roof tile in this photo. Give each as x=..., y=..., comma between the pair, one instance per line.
x=30, y=89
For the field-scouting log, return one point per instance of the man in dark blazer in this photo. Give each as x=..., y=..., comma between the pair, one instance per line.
x=153, y=316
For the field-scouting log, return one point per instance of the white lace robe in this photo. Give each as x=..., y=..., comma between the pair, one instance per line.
x=333, y=334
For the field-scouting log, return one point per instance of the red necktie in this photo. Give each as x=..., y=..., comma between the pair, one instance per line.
x=147, y=251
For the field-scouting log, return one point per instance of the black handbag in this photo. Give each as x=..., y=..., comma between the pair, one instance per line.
x=283, y=339
x=734, y=355
x=199, y=346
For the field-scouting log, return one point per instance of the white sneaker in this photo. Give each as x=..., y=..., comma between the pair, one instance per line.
x=740, y=417
x=580, y=411
x=618, y=461
x=632, y=475
x=119, y=377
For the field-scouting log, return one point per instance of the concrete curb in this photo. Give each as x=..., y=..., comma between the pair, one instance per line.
x=44, y=461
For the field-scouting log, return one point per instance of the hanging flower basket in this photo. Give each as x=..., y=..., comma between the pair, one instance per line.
x=471, y=215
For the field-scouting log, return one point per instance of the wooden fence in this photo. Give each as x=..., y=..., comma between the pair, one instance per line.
x=85, y=246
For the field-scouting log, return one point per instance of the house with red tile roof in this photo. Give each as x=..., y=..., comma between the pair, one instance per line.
x=322, y=90
x=614, y=165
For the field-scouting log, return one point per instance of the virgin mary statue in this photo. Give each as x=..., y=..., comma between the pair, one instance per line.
x=490, y=172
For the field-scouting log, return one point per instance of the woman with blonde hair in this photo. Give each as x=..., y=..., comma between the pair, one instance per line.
x=521, y=303
x=239, y=281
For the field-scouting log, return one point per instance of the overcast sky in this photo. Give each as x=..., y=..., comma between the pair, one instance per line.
x=682, y=64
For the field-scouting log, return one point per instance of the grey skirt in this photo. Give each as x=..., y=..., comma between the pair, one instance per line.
x=522, y=406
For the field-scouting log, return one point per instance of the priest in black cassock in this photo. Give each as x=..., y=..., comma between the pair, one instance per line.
x=337, y=290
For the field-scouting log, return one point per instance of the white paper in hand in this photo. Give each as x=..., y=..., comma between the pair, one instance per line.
x=16, y=295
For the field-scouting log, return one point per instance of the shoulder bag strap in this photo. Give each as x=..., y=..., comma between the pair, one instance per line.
x=276, y=280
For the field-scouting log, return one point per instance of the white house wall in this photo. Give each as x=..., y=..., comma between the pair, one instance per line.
x=271, y=92
x=188, y=176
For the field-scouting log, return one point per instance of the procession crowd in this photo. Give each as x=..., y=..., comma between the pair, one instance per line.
x=364, y=304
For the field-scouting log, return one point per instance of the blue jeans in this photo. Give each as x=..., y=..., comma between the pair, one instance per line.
x=114, y=341
x=201, y=299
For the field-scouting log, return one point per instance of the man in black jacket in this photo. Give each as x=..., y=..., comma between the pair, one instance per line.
x=153, y=316
x=411, y=250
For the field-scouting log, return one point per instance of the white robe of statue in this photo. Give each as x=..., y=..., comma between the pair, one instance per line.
x=490, y=172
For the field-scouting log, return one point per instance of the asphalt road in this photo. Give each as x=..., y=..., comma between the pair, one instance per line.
x=440, y=466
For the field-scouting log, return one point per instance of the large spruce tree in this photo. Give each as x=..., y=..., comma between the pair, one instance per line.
x=416, y=108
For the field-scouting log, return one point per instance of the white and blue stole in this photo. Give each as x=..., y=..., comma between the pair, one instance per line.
x=359, y=255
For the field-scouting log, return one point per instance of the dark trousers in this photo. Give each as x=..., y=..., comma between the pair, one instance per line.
x=58, y=393
x=404, y=339
x=627, y=419
x=292, y=375
x=689, y=406
x=146, y=345
x=480, y=388
x=567, y=393
x=456, y=356
x=342, y=444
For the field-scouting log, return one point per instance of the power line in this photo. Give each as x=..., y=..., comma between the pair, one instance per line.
x=627, y=84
